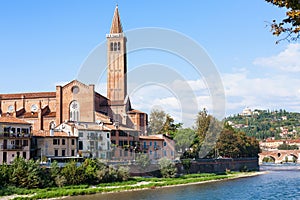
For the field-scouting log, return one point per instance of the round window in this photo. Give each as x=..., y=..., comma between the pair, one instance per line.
x=10, y=108
x=75, y=89
x=34, y=108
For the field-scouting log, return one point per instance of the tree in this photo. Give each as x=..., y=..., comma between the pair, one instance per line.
x=142, y=160
x=285, y=146
x=170, y=127
x=235, y=144
x=5, y=171
x=202, y=124
x=207, y=130
x=162, y=123
x=74, y=175
x=157, y=121
x=54, y=175
x=25, y=174
x=227, y=144
x=290, y=26
x=184, y=139
x=167, y=168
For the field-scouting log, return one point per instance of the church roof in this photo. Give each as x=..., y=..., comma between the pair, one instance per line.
x=135, y=111
x=116, y=26
x=12, y=120
x=28, y=95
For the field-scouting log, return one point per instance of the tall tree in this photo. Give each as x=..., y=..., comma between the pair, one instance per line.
x=290, y=26
x=184, y=139
x=202, y=124
x=170, y=127
x=162, y=123
x=157, y=121
x=201, y=128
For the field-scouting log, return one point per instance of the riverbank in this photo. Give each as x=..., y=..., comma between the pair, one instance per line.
x=137, y=183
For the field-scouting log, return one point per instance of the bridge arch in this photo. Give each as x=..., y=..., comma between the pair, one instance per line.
x=280, y=156
x=291, y=157
x=269, y=159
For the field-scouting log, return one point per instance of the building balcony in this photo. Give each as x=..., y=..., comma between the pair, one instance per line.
x=157, y=147
x=145, y=147
x=12, y=147
x=15, y=135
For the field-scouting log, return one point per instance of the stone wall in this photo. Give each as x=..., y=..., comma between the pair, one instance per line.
x=219, y=165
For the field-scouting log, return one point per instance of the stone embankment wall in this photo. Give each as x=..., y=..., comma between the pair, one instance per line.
x=201, y=166
x=219, y=165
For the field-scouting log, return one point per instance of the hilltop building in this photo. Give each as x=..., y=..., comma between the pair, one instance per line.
x=246, y=112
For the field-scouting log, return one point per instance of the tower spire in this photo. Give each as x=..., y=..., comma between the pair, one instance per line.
x=116, y=26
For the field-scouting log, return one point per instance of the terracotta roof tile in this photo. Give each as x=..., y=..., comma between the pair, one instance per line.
x=104, y=118
x=88, y=126
x=151, y=137
x=120, y=127
x=47, y=134
x=29, y=115
x=28, y=95
x=51, y=114
x=14, y=120
x=135, y=111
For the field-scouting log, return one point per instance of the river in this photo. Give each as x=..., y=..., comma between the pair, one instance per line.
x=280, y=182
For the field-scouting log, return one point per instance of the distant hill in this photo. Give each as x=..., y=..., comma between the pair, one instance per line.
x=264, y=124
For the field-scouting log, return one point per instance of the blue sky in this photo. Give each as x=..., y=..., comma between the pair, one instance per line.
x=44, y=43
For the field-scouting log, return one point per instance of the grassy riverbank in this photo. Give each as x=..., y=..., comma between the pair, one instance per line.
x=136, y=183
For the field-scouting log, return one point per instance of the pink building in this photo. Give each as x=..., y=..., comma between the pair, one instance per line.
x=158, y=146
x=15, y=135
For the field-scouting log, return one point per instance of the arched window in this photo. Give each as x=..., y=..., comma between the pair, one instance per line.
x=115, y=46
x=111, y=46
x=74, y=111
x=119, y=46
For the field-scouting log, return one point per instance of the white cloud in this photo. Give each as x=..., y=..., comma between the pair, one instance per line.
x=278, y=91
x=287, y=60
x=241, y=89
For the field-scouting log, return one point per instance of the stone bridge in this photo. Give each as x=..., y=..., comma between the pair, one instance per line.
x=280, y=156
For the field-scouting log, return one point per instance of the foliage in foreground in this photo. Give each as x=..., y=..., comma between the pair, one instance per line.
x=29, y=174
x=167, y=168
x=291, y=24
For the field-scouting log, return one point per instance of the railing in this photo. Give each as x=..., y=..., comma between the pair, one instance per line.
x=156, y=147
x=15, y=135
x=12, y=147
x=146, y=147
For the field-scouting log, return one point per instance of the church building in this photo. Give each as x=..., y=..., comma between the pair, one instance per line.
x=75, y=120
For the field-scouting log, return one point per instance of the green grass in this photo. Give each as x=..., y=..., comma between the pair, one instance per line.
x=112, y=187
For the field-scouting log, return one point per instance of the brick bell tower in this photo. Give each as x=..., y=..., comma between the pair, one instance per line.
x=116, y=70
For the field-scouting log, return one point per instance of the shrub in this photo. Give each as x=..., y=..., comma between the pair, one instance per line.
x=72, y=173
x=26, y=174
x=4, y=174
x=143, y=160
x=167, y=168
x=60, y=181
x=123, y=174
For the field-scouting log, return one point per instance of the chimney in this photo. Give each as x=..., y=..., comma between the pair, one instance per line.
x=51, y=132
x=40, y=117
x=15, y=109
